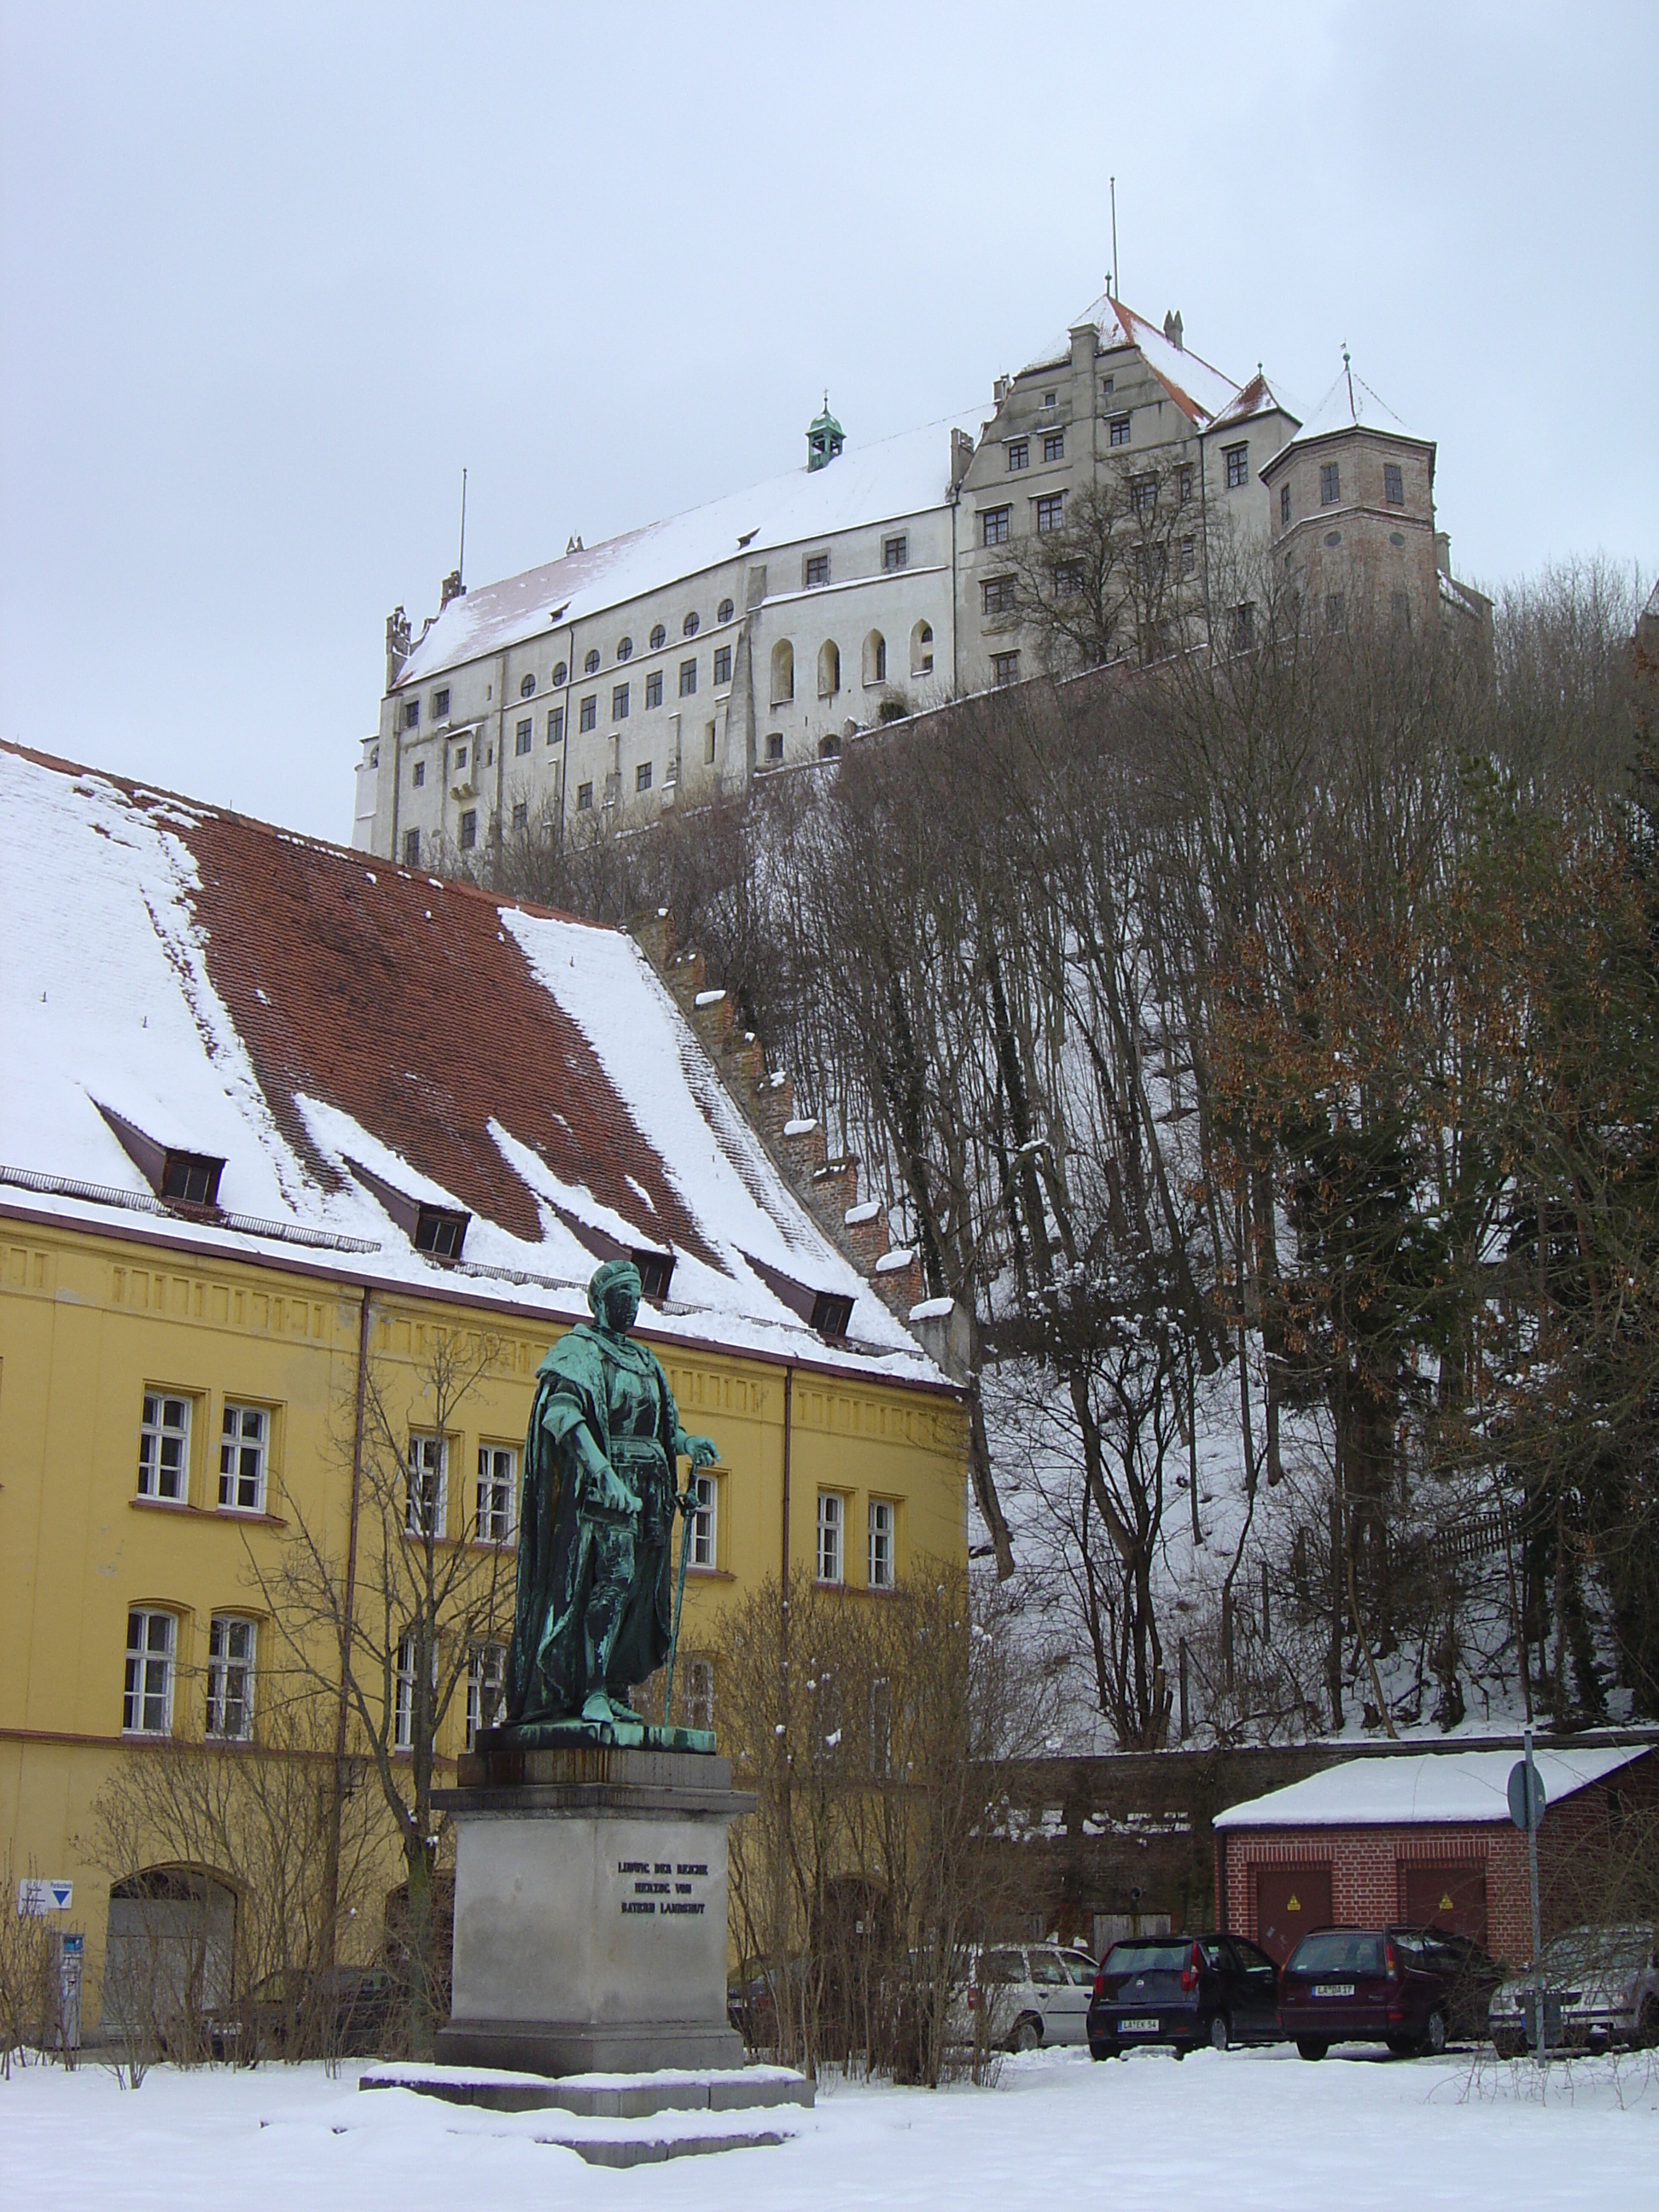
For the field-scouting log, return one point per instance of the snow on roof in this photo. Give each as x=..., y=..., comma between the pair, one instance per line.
x=1201, y=391
x=302, y=1012
x=1432, y=1787
x=880, y=483
x=1258, y=397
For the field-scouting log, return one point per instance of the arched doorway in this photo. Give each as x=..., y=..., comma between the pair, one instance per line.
x=169, y=1954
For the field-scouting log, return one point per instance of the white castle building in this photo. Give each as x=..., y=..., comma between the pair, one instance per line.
x=685, y=658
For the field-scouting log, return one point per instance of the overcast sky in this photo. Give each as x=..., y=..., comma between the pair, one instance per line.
x=271, y=277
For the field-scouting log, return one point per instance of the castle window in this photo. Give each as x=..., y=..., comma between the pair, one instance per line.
x=1054, y=445
x=619, y=703
x=817, y=571
x=774, y=745
x=828, y=669
x=1051, y=512
x=521, y=736
x=439, y=705
x=417, y=774
x=468, y=830
x=521, y=814
x=411, y=713
x=560, y=673
x=1189, y=556
x=584, y=798
x=1284, y=505
x=527, y=688
x=624, y=648
x=659, y=638
x=1330, y=484
x=831, y=1510
x=1184, y=482
x=921, y=649
x=687, y=679
x=722, y=664
x=709, y=743
x=783, y=671
x=554, y=725
x=1005, y=668
x=1394, y=483
x=690, y=626
x=875, y=658
x=1143, y=494
x=1244, y=627
x=653, y=688
x=411, y=848
x=1120, y=430
x=1401, y=608
x=1019, y=453
x=894, y=553
x=1334, y=606
x=590, y=666
x=460, y=757
x=1238, y=458
x=994, y=525
x=996, y=595
x=642, y=776
x=1068, y=580
x=589, y=715
x=727, y=611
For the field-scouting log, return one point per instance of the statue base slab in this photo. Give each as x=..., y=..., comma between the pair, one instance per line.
x=615, y=1736
x=590, y=1908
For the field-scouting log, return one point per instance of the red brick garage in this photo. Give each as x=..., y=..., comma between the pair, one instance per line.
x=1425, y=1838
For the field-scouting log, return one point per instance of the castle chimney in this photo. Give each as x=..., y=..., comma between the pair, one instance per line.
x=451, y=588
x=1172, y=328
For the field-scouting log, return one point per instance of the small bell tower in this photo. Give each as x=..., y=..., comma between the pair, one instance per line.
x=823, y=439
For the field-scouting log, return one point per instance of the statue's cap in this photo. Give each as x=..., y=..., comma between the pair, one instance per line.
x=613, y=1275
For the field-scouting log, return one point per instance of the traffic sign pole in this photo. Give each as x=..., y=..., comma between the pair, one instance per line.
x=1535, y=1809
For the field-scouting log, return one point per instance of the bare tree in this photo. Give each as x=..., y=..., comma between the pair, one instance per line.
x=397, y=1614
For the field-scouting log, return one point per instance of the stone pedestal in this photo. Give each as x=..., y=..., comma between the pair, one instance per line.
x=590, y=1910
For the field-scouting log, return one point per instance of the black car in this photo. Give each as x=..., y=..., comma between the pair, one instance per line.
x=350, y=2011
x=1183, y=1991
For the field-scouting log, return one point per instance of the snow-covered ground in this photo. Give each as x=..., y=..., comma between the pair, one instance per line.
x=1245, y=2130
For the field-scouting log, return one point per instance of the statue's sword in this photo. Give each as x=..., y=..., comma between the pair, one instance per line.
x=680, y=1600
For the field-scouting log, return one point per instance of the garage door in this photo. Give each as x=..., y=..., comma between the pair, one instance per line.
x=1450, y=1897
x=167, y=1953
x=1289, y=1903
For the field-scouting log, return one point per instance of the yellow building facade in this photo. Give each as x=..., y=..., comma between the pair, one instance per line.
x=184, y=1395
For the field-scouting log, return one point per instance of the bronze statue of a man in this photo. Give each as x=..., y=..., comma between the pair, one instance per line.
x=595, y=1611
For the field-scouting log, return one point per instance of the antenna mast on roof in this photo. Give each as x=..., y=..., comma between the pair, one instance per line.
x=1347, y=371
x=1117, y=274
x=460, y=565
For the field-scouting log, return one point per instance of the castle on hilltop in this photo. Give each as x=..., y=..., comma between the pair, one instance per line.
x=683, y=660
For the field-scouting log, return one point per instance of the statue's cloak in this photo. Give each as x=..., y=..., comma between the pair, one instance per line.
x=545, y=1679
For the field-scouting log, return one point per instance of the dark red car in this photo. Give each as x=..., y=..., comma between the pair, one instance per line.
x=1413, y=1989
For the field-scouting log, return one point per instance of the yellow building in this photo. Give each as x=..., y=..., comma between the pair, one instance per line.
x=303, y=1163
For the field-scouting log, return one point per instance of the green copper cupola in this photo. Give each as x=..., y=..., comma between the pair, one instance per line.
x=823, y=439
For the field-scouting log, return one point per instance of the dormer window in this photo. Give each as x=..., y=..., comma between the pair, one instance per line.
x=656, y=1273
x=182, y=1178
x=438, y=1230
x=828, y=1312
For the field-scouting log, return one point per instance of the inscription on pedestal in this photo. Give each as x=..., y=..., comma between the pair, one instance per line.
x=663, y=1888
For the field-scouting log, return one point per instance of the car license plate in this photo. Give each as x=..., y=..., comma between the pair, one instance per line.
x=1137, y=2027
x=1333, y=1989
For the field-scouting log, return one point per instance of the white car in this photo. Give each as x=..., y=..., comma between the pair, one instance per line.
x=1030, y=1994
x=1605, y=1981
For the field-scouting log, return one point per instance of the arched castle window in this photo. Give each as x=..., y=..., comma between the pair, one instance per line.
x=921, y=649
x=783, y=671
x=828, y=669
x=875, y=659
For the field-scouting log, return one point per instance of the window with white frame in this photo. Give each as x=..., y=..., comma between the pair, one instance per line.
x=244, y=1442
x=402, y=1689
x=881, y=1543
x=230, y=1677
x=428, y=1473
x=498, y=1467
x=164, y=1446
x=486, y=1677
x=705, y=1527
x=147, y=1702
x=832, y=1522
x=700, y=1693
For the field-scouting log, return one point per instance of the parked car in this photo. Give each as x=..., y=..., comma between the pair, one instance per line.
x=1021, y=1995
x=1183, y=1991
x=1413, y=1989
x=347, y=2013
x=1601, y=1988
